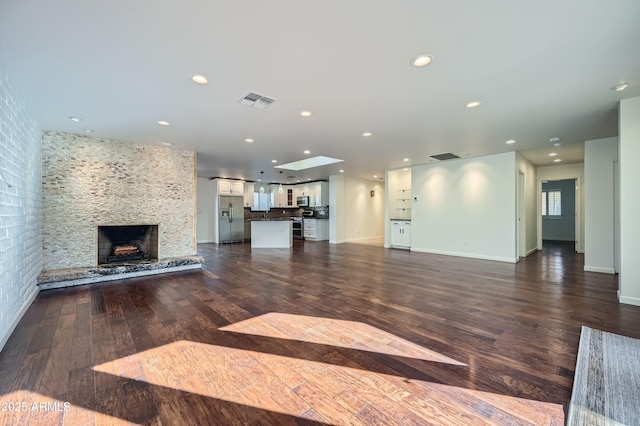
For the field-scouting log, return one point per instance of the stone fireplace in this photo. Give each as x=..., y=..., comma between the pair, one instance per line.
x=127, y=243
x=103, y=195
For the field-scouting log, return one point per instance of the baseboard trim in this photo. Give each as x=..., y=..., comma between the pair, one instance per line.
x=530, y=252
x=599, y=270
x=467, y=255
x=629, y=300
x=337, y=241
x=18, y=316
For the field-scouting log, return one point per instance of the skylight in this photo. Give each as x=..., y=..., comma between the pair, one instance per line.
x=308, y=163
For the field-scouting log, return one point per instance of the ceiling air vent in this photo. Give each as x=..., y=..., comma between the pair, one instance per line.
x=256, y=100
x=444, y=156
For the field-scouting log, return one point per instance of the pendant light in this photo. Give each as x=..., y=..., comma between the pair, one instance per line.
x=262, y=184
x=280, y=189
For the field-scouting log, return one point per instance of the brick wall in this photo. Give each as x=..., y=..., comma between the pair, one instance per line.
x=88, y=182
x=20, y=207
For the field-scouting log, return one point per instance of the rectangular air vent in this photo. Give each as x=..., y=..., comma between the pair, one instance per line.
x=256, y=100
x=444, y=156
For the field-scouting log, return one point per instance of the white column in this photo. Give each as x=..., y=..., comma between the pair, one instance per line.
x=629, y=133
x=599, y=157
x=336, y=210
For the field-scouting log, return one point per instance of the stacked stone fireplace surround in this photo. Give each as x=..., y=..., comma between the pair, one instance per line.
x=88, y=183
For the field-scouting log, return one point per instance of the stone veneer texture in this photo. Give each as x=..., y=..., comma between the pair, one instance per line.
x=88, y=182
x=20, y=203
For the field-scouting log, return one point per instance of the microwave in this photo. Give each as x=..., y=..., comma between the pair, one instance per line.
x=303, y=201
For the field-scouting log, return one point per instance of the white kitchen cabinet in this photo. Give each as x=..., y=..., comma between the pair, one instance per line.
x=401, y=234
x=230, y=187
x=318, y=193
x=316, y=229
x=283, y=199
x=249, y=189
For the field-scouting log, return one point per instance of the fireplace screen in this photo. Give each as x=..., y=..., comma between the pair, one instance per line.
x=127, y=243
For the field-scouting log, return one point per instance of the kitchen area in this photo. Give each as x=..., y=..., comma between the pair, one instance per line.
x=263, y=215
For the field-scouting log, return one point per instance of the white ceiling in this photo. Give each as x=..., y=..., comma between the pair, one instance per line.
x=542, y=68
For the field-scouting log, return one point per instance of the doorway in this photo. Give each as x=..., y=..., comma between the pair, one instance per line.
x=558, y=211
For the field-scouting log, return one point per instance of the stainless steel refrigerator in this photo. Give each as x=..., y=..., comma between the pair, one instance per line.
x=231, y=218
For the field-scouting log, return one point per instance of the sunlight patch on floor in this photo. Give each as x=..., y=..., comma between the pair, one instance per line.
x=334, y=332
x=340, y=394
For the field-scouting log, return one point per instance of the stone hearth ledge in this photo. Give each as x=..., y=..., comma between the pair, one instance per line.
x=60, y=278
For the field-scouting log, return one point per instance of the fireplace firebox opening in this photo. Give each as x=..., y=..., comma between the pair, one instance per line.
x=127, y=243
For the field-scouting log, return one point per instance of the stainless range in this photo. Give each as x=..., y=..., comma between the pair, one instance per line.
x=298, y=228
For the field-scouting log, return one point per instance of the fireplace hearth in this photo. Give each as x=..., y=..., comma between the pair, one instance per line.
x=127, y=243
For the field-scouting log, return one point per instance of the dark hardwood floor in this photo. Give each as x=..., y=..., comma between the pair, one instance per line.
x=319, y=334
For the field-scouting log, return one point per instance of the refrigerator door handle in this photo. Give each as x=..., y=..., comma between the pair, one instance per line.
x=230, y=213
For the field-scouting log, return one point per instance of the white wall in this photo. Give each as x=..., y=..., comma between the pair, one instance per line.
x=20, y=207
x=206, y=211
x=569, y=171
x=531, y=206
x=629, y=133
x=466, y=208
x=359, y=215
x=599, y=156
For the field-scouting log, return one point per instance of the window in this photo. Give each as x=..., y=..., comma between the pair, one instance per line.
x=551, y=203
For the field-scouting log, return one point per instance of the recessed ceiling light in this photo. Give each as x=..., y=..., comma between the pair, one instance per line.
x=557, y=160
x=248, y=140
x=199, y=79
x=163, y=123
x=406, y=169
x=554, y=139
x=308, y=178
x=405, y=159
x=305, y=113
x=341, y=171
x=306, y=151
x=421, y=60
x=620, y=87
x=166, y=143
x=473, y=104
x=88, y=130
x=510, y=142
x=366, y=134
x=557, y=144
x=75, y=119
x=553, y=154
x=274, y=161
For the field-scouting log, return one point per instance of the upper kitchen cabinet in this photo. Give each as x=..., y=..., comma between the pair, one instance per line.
x=249, y=189
x=286, y=198
x=318, y=193
x=230, y=187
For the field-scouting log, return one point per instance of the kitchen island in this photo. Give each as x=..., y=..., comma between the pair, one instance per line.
x=271, y=234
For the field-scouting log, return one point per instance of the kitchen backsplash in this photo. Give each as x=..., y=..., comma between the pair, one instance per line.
x=274, y=213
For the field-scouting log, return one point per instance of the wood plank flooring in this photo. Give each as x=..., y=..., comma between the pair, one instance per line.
x=319, y=334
